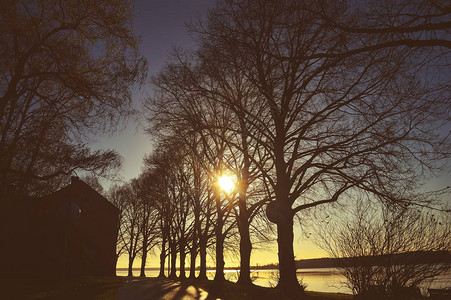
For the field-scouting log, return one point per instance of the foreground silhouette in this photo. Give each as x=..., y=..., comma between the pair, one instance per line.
x=67, y=234
x=160, y=288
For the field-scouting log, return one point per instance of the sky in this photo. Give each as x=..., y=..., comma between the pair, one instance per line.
x=161, y=26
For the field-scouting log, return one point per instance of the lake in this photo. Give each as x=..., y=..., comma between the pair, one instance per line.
x=319, y=279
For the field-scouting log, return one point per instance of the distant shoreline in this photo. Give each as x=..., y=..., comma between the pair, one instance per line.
x=435, y=257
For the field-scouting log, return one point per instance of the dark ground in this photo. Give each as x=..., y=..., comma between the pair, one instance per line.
x=135, y=288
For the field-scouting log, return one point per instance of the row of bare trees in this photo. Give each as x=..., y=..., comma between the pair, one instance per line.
x=190, y=217
x=309, y=103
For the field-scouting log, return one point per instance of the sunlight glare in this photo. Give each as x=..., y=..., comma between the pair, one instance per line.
x=226, y=183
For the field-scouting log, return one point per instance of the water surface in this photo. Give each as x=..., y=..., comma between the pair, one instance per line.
x=315, y=279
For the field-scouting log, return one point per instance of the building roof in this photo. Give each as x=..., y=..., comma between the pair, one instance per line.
x=80, y=192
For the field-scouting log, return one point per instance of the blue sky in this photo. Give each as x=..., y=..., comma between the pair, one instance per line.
x=161, y=26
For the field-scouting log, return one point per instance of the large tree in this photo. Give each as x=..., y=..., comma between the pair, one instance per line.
x=66, y=71
x=349, y=113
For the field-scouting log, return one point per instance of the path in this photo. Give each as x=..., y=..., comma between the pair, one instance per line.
x=156, y=288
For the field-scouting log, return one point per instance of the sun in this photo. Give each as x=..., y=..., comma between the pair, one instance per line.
x=226, y=183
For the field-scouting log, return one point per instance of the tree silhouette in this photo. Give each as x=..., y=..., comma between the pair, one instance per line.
x=66, y=71
x=307, y=103
x=345, y=115
x=157, y=163
x=375, y=236
x=185, y=105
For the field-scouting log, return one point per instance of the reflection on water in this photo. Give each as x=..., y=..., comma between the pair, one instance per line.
x=319, y=279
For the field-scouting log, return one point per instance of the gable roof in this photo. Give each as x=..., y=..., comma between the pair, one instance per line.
x=79, y=187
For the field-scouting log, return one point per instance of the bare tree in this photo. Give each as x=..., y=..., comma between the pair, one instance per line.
x=182, y=216
x=117, y=197
x=159, y=163
x=146, y=185
x=196, y=202
x=137, y=202
x=205, y=232
x=132, y=223
x=66, y=71
x=172, y=203
x=389, y=248
x=392, y=24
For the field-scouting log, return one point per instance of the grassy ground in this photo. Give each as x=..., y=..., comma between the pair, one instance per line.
x=108, y=287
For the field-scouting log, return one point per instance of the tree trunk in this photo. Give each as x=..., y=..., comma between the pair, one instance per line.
x=193, y=252
x=143, y=265
x=243, y=228
x=192, y=266
x=219, y=276
x=243, y=217
x=182, y=259
x=162, y=258
x=203, y=258
x=173, y=262
x=288, y=281
x=130, y=266
x=245, y=252
x=169, y=264
x=143, y=260
x=162, y=263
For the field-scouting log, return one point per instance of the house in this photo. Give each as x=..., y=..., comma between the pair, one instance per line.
x=69, y=233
